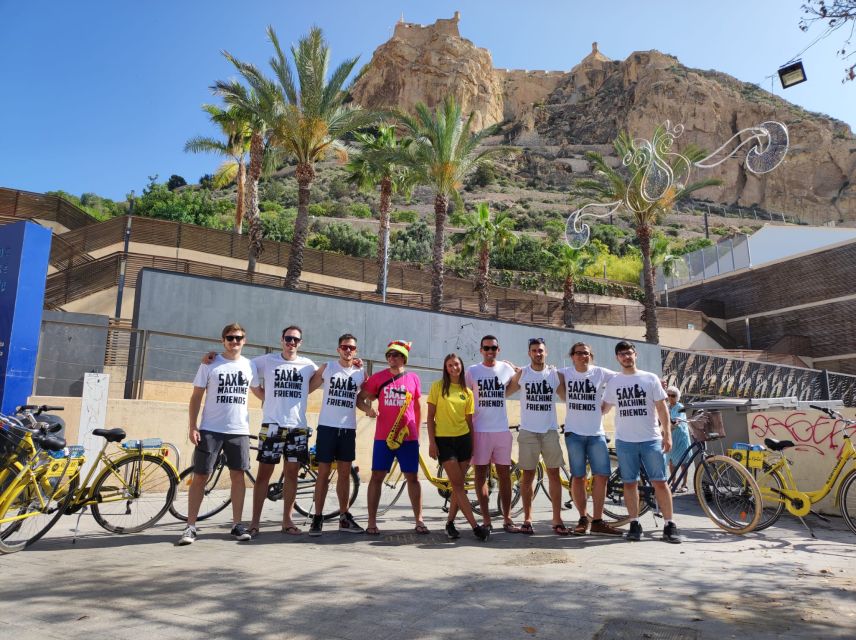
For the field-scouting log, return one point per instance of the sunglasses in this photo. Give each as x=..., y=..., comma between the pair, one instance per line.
x=348, y=347
x=234, y=338
x=490, y=348
x=290, y=339
x=536, y=341
x=394, y=354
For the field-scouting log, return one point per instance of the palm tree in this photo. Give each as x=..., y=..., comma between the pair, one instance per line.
x=235, y=126
x=376, y=164
x=480, y=235
x=312, y=120
x=444, y=152
x=569, y=263
x=630, y=194
x=257, y=101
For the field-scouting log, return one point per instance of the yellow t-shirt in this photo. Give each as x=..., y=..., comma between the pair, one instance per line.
x=451, y=411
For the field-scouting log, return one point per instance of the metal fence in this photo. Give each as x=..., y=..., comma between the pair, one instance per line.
x=728, y=255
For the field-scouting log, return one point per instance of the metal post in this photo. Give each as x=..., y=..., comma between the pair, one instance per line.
x=142, y=369
x=825, y=393
x=706, y=227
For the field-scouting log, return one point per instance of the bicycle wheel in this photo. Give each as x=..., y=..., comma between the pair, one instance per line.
x=394, y=484
x=304, y=502
x=770, y=484
x=728, y=494
x=38, y=513
x=216, y=495
x=847, y=500
x=133, y=493
x=614, y=505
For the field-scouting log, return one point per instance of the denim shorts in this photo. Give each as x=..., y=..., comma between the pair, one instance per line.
x=648, y=453
x=591, y=449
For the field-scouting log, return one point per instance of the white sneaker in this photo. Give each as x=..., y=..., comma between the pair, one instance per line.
x=189, y=535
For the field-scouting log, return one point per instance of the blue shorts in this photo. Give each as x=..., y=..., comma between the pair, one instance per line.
x=407, y=454
x=337, y=444
x=587, y=448
x=649, y=453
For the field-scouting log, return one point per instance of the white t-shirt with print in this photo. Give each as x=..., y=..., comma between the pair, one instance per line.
x=634, y=397
x=286, y=385
x=537, y=404
x=488, y=386
x=339, y=405
x=583, y=397
x=226, y=383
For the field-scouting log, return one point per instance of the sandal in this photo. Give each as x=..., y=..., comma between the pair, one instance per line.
x=421, y=529
x=510, y=527
x=254, y=532
x=291, y=531
x=526, y=528
x=372, y=531
x=560, y=529
x=681, y=490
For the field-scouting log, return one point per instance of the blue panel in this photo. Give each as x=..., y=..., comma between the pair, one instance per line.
x=24, y=252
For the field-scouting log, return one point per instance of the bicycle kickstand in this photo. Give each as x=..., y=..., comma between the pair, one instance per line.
x=819, y=515
x=76, y=528
x=807, y=526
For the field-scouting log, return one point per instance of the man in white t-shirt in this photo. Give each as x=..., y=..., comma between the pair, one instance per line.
x=284, y=383
x=491, y=382
x=539, y=434
x=225, y=425
x=337, y=431
x=582, y=389
x=640, y=403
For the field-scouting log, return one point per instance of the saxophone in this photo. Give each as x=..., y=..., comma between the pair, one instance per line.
x=400, y=430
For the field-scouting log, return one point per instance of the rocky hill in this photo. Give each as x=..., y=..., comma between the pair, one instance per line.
x=558, y=115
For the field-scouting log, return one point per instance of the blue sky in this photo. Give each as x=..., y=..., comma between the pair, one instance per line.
x=99, y=94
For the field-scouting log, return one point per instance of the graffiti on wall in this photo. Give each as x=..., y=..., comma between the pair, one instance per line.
x=810, y=431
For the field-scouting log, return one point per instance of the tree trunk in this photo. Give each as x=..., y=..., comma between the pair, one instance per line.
x=239, y=200
x=649, y=315
x=383, y=243
x=252, y=199
x=305, y=174
x=441, y=205
x=568, y=302
x=482, y=279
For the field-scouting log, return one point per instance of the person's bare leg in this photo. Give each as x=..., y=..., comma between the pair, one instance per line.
x=554, y=486
x=456, y=473
x=321, y=485
x=578, y=493
x=239, y=489
x=664, y=498
x=481, y=473
x=598, y=495
x=526, y=492
x=289, y=492
x=260, y=492
x=343, y=485
x=373, y=497
x=631, y=498
x=194, y=497
x=414, y=490
x=503, y=479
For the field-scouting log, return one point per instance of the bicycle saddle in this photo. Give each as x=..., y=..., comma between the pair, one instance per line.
x=778, y=445
x=111, y=435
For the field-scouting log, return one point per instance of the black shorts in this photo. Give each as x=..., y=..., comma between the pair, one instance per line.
x=277, y=442
x=335, y=444
x=236, y=448
x=458, y=448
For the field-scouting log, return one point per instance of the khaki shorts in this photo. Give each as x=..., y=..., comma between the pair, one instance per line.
x=531, y=445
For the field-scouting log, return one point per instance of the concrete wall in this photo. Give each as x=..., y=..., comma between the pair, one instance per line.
x=67, y=351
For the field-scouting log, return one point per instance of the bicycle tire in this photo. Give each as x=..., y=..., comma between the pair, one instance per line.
x=847, y=500
x=140, y=505
x=19, y=534
x=728, y=494
x=392, y=487
x=770, y=483
x=614, y=505
x=469, y=483
x=214, y=498
x=306, y=492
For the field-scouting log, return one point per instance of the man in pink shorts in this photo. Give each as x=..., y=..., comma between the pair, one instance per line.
x=491, y=383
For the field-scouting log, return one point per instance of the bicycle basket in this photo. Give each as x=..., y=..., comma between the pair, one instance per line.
x=707, y=426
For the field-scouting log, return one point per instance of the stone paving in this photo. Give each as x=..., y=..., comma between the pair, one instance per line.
x=780, y=583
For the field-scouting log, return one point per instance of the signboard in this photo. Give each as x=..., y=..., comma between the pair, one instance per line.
x=93, y=415
x=24, y=252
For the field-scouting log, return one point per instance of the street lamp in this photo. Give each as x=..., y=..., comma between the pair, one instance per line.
x=792, y=74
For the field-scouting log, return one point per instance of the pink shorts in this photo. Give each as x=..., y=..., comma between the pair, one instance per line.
x=491, y=447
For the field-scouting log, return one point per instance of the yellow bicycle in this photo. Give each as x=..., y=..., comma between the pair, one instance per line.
x=129, y=488
x=780, y=492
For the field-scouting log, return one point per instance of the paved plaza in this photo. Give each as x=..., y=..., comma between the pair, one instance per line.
x=779, y=584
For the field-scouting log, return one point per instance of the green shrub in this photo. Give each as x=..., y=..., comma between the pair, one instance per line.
x=360, y=210
x=404, y=216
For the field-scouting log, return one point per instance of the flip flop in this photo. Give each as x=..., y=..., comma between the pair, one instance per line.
x=510, y=528
x=421, y=529
x=372, y=531
x=681, y=490
x=292, y=531
x=560, y=529
x=526, y=528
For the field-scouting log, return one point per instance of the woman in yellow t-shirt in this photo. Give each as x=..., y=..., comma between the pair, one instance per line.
x=450, y=438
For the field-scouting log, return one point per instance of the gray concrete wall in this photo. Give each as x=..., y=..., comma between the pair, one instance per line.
x=68, y=350
x=199, y=306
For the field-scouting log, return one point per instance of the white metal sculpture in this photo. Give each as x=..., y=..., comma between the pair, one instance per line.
x=762, y=148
